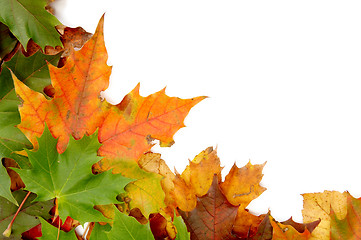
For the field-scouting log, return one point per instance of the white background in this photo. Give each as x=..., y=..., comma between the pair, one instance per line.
x=283, y=79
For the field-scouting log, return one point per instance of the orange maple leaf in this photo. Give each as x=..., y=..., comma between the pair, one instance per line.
x=129, y=127
x=76, y=108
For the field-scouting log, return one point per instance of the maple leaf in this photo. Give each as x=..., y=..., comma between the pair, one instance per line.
x=318, y=206
x=36, y=23
x=76, y=108
x=124, y=227
x=348, y=227
x=213, y=217
x=201, y=170
x=51, y=232
x=28, y=215
x=129, y=127
x=242, y=194
x=68, y=178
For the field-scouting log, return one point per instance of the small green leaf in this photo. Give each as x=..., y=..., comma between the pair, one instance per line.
x=5, y=186
x=124, y=228
x=68, y=177
x=29, y=19
x=182, y=232
x=50, y=232
x=28, y=215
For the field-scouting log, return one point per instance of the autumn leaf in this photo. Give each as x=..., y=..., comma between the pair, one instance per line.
x=28, y=215
x=129, y=127
x=76, y=108
x=318, y=206
x=250, y=177
x=213, y=217
x=35, y=22
x=195, y=180
x=68, y=178
x=51, y=232
x=348, y=227
x=201, y=170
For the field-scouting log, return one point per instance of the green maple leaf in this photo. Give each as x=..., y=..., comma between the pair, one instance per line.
x=28, y=19
x=68, y=177
x=124, y=227
x=50, y=232
x=182, y=232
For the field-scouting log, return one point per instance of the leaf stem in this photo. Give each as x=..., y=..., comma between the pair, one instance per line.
x=7, y=232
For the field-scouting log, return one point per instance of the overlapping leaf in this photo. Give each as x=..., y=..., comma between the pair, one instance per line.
x=130, y=127
x=76, y=108
x=125, y=130
x=33, y=71
x=213, y=216
x=28, y=215
x=348, y=227
x=287, y=232
x=124, y=227
x=68, y=178
x=29, y=19
x=318, y=206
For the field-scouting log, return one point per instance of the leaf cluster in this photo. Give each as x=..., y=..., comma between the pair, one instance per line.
x=69, y=157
